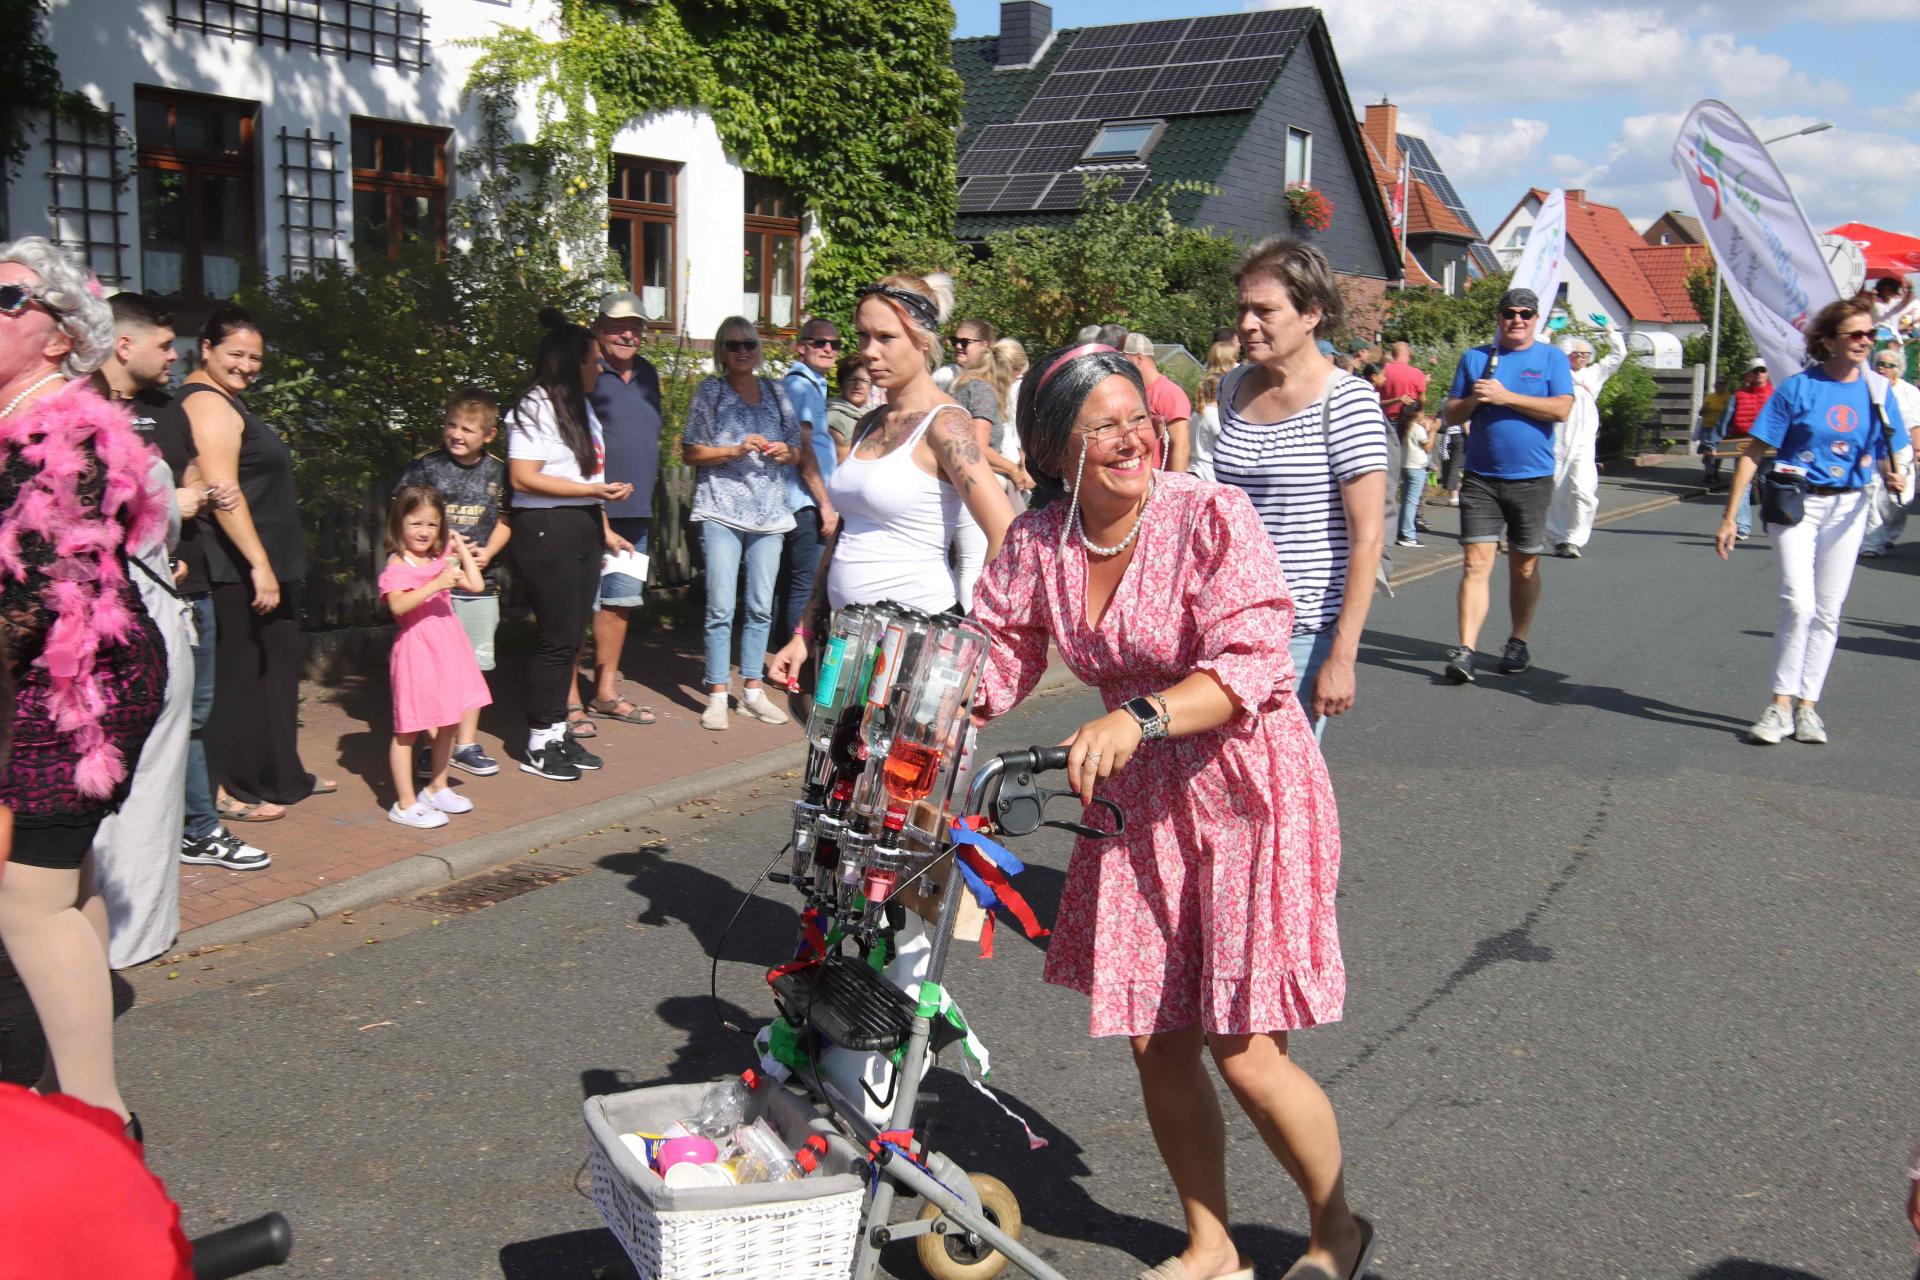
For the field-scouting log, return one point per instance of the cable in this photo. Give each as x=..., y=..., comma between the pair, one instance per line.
x=713, y=973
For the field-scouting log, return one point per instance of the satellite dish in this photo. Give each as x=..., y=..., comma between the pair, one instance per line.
x=1845, y=262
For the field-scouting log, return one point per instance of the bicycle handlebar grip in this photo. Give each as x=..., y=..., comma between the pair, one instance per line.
x=264, y=1242
x=1048, y=758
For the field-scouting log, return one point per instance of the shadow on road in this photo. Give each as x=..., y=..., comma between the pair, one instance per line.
x=1747, y=1269
x=594, y=1254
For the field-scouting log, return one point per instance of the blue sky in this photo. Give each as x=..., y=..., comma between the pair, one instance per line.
x=1595, y=101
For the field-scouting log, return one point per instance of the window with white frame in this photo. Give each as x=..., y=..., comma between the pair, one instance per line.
x=1127, y=141
x=1299, y=156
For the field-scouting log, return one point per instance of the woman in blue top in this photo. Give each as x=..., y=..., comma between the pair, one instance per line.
x=1825, y=421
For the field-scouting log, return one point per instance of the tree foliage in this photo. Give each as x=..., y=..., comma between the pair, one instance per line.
x=854, y=103
x=30, y=82
x=1440, y=327
x=1127, y=262
x=1736, y=343
x=1626, y=408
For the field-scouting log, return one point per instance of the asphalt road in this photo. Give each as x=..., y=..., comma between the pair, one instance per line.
x=1628, y=997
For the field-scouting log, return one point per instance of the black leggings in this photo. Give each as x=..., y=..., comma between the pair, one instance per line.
x=556, y=561
x=253, y=732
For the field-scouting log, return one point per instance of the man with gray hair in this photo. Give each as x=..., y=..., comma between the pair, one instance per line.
x=1165, y=400
x=1576, y=477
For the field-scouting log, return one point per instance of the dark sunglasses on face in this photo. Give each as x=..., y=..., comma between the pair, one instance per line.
x=737, y=345
x=1517, y=313
x=1855, y=335
x=15, y=298
x=961, y=344
x=830, y=344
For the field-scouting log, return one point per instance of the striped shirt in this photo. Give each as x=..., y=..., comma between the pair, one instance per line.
x=1293, y=473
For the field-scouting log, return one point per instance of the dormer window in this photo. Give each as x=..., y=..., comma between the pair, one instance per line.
x=1127, y=141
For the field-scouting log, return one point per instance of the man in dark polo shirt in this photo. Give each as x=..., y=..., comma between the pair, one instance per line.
x=626, y=399
x=138, y=372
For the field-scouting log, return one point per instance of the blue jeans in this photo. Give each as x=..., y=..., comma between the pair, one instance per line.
x=725, y=548
x=1743, y=512
x=620, y=590
x=201, y=821
x=803, y=562
x=1309, y=651
x=1413, y=484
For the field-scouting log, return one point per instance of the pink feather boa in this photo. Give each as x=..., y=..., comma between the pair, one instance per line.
x=85, y=583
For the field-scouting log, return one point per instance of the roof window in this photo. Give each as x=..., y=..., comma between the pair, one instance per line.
x=1128, y=141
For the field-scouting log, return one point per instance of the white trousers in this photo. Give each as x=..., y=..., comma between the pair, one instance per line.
x=1576, y=483
x=1816, y=560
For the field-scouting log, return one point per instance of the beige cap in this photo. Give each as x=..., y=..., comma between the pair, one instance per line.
x=1756, y=363
x=1137, y=344
x=622, y=305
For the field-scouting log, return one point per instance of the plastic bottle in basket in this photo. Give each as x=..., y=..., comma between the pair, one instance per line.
x=765, y=1158
x=724, y=1107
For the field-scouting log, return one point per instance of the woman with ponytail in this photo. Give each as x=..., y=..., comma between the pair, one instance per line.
x=915, y=463
x=556, y=465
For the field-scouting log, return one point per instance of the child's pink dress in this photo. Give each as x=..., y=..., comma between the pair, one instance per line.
x=436, y=678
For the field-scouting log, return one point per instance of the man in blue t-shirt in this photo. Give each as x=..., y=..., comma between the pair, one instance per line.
x=1511, y=395
x=814, y=520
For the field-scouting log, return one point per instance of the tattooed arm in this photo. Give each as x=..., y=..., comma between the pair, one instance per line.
x=963, y=464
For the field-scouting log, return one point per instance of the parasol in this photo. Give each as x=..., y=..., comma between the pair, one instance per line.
x=1888, y=253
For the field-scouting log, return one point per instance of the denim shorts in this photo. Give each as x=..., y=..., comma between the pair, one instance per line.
x=618, y=589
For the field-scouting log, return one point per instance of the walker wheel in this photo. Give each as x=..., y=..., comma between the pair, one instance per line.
x=950, y=1257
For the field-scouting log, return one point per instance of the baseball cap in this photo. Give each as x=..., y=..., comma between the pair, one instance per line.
x=1137, y=344
x=623, y=304
x=1519, y=298
x=1756, y=363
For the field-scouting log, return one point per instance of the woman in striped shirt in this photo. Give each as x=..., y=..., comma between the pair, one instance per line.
x=1308, y=443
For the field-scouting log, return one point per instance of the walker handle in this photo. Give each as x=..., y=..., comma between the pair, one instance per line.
x=264, y=1242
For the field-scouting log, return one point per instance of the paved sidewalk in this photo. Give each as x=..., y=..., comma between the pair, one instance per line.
x=332, y=853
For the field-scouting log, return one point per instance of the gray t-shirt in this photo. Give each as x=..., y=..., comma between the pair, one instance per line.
x=475, y=496
x=980, y=401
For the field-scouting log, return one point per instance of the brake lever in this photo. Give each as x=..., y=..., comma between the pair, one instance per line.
x=1081, y=828
x=1020, y=809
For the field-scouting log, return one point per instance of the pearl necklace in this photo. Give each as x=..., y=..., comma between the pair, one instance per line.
x=17, y=400
x=1093, y=548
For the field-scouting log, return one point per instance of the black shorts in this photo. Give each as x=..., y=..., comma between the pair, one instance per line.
x=1488, y=504
x=58, y=847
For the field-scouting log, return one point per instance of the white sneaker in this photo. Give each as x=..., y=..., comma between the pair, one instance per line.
x=1808, y=726
x=762, y=709
x=447, y=800
x=1771, y=727
x=715, y=716
x=422, y=815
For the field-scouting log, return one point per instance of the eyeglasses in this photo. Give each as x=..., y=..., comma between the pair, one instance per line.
x=829, y=344
x=961, y=344
x=1517, y=313
x=737, y=345
x=1111, y=435
x=1855, y=335
x=15, y=298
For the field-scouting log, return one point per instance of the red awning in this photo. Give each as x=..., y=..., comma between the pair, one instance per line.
x=1888, y=252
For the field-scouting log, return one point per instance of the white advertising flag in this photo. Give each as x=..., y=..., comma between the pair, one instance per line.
x=1767, y=252
x=1545, y=254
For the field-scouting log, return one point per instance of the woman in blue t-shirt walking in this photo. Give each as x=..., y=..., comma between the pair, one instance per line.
x=1825, y=422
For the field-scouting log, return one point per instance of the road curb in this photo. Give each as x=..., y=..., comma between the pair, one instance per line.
x=426, y=871
x=1456, y=559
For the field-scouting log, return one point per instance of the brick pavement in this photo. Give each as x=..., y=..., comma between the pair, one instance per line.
x=327, y=839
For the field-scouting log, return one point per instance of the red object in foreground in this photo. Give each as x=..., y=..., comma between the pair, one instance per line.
x=1888, y=252
x=76, y=1200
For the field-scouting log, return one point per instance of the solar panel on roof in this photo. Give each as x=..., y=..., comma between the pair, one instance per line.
x=1084, y=59
x=1164, y=102
x=1166, y=29
x=1265, y=44
x=1096, y=37
x=978, y=194
x=1233, y=97
x=1190, y=76
x=1055, y=109
x=1066, y=193
x=1131, y=80
x=1219, y=24
x=1156, y=54
x=1247, y=71
x=1205, y=50
x=1066, y=86
x=1024, y=191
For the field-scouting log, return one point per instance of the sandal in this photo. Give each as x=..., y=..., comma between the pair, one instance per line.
x=583, y=727
x=232, y=810
x=609, y=709
x=323, y=787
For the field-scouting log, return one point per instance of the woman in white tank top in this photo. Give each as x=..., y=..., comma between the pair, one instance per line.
x=915, y=464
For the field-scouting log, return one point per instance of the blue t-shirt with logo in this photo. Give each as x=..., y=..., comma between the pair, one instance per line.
x=1505, y=443
x=807, y=392
x=1828, y=427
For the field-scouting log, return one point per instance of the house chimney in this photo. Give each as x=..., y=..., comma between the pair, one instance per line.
x=1383, y=130
x=1025, y=28
x=1577, y=195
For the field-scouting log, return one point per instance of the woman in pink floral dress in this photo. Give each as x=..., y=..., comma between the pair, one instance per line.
x=1212, y=921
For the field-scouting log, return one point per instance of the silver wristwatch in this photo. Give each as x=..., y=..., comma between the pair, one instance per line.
x=1154, y=720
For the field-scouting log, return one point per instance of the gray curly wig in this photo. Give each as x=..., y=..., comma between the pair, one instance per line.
x=73, y=295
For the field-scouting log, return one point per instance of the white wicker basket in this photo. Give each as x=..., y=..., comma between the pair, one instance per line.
x=802, y=1230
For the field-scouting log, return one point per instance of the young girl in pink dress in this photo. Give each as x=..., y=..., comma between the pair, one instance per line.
x=436, y=678
x=1210, y=924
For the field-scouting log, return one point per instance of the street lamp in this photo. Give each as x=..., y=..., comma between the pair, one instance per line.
x=1713, y=343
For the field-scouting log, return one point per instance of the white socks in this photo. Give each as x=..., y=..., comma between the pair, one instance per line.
x=756, y=694
x=538, y=739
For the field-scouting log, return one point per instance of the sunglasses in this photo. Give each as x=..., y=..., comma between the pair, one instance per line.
x=830, y=344
x=1517, y=313
x=962, y=343
x=15, y=298
x=1855, y=335
x=737, y=345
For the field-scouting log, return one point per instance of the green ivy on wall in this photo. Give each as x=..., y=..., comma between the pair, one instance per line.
x=854, y=103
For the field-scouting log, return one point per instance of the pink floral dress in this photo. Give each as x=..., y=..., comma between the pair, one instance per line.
x=1217, y=906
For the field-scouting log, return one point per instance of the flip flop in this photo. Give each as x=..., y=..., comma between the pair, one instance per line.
x=1309, y=1271
x=583, y=727
x=322, y=787
x=231, y=810
x=639, y=714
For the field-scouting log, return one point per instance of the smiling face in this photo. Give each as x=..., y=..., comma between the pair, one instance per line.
x=820, y=349
x=970, y=347
x=895, y=354
x=420, y=531
x=619, y=339
x=1579, y=358
x=1116, y=432
x=739, y=351
x=1272, y=331
x=234, y=361
x=1516, y=328
x=466, y=435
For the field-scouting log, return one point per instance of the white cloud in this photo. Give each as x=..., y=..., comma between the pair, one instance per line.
x=1906, y=115
x=1486, y=153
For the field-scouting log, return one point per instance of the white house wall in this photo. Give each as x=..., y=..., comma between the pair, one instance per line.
x=105, y=48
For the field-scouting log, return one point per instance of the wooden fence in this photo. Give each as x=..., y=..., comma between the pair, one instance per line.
x=346, y=541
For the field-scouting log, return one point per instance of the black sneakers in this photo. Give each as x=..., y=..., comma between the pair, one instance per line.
x=552, y=761
x=1515, y=658
x=1460, y=665
x=579, y=756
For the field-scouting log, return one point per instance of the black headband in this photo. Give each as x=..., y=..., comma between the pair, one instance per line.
x=924, y=313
